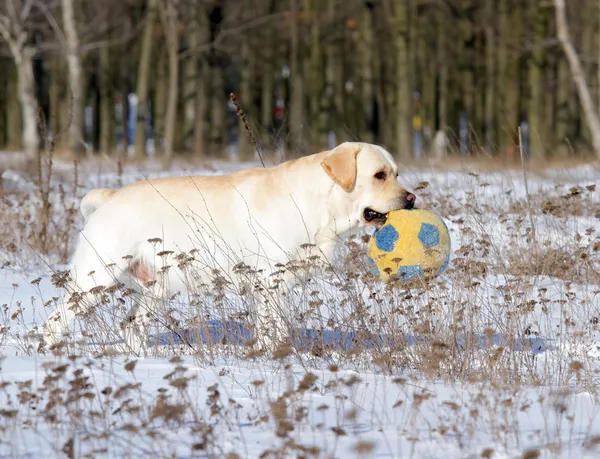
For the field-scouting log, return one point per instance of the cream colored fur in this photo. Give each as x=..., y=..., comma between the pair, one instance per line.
x=258, y=216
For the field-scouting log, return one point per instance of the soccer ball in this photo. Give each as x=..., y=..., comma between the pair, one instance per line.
x=412, y=244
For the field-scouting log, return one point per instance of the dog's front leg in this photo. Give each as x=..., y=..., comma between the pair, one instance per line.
x=273, y=319
x=273, y=316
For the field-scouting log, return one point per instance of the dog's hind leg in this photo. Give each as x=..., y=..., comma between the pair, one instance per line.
x=275, y=319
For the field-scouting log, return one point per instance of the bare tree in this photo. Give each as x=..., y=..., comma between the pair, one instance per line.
x=74, y=77
x=296, y=82
x=536, y=126
x=200, y=36
x=143, y=76
x=106, y=109
x=14, y=31
x=245, y=148
x=577, y=74
x=401, y=24
x=169, y=17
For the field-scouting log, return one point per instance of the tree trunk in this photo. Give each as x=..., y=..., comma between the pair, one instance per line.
x=188, y=91
x=467, y=77
x=218, y=124
x=57, y=97
x=442, y=64
x=143, y=75
x=107, y=118
x=201, y=81
x=125, y=108
x=245, y=150
x=578, y=75
x=3, y=102
x=169, y=16
x=598, y=54
x=508, y=84
x=14, y=124
x=76, y=142
x=26, y=90
x=23, y=57
x=587, y=45
x=244, y=145
x=267, y=82
x=535, y=116
x=181, y=126
x=404, y=144
x=502, y=119
x=490, y=77
x=92, y=137
x=379, y=100
x=329, y=110
x=426, y=83
x=200, y=101
x=192, y=81
x=296, y=84
x=563, y=95
x=314, y=70
x=365, y=50
x=160, y=98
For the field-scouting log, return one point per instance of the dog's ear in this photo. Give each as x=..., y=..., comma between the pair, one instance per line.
x=340, y=165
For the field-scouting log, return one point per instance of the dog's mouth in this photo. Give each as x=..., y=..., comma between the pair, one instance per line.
x=373, y=217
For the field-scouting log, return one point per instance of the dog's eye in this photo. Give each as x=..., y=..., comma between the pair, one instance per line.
x=380, y=175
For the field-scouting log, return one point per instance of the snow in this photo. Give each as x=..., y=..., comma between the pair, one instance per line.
x=542, y=399
x=401, y=417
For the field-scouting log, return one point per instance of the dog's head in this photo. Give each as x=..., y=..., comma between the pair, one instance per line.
x=368, y=175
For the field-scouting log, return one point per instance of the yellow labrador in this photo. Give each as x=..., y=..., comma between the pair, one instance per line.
x=260, y=217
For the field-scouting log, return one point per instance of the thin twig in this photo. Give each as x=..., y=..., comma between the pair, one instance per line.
x=248, y=25
x=526, y=185
x=242, y=116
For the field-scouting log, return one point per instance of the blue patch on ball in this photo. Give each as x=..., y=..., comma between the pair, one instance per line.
x=386, y=238
x=408, y=272
x=429, y=235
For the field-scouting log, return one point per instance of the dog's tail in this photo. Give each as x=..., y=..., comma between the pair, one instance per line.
x=93, y=200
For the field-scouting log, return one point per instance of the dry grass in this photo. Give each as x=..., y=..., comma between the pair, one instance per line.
x=505, y=280
x=83, y=413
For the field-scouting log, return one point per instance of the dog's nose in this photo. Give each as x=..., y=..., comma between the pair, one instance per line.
x=410, y=201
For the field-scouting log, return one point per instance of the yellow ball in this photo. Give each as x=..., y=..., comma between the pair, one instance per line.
x=412, y=244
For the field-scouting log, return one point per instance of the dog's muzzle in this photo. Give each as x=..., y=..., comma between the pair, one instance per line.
x=378, y=218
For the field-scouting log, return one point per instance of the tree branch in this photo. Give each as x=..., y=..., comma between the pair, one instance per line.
x=4, y=27
x=578, y=74
x=53, y=24
x=233, y=31
x=26, y=10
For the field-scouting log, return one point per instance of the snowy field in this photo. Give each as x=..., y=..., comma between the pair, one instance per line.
x=499, y=357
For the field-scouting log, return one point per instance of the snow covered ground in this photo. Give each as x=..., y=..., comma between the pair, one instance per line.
x=447, y=395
